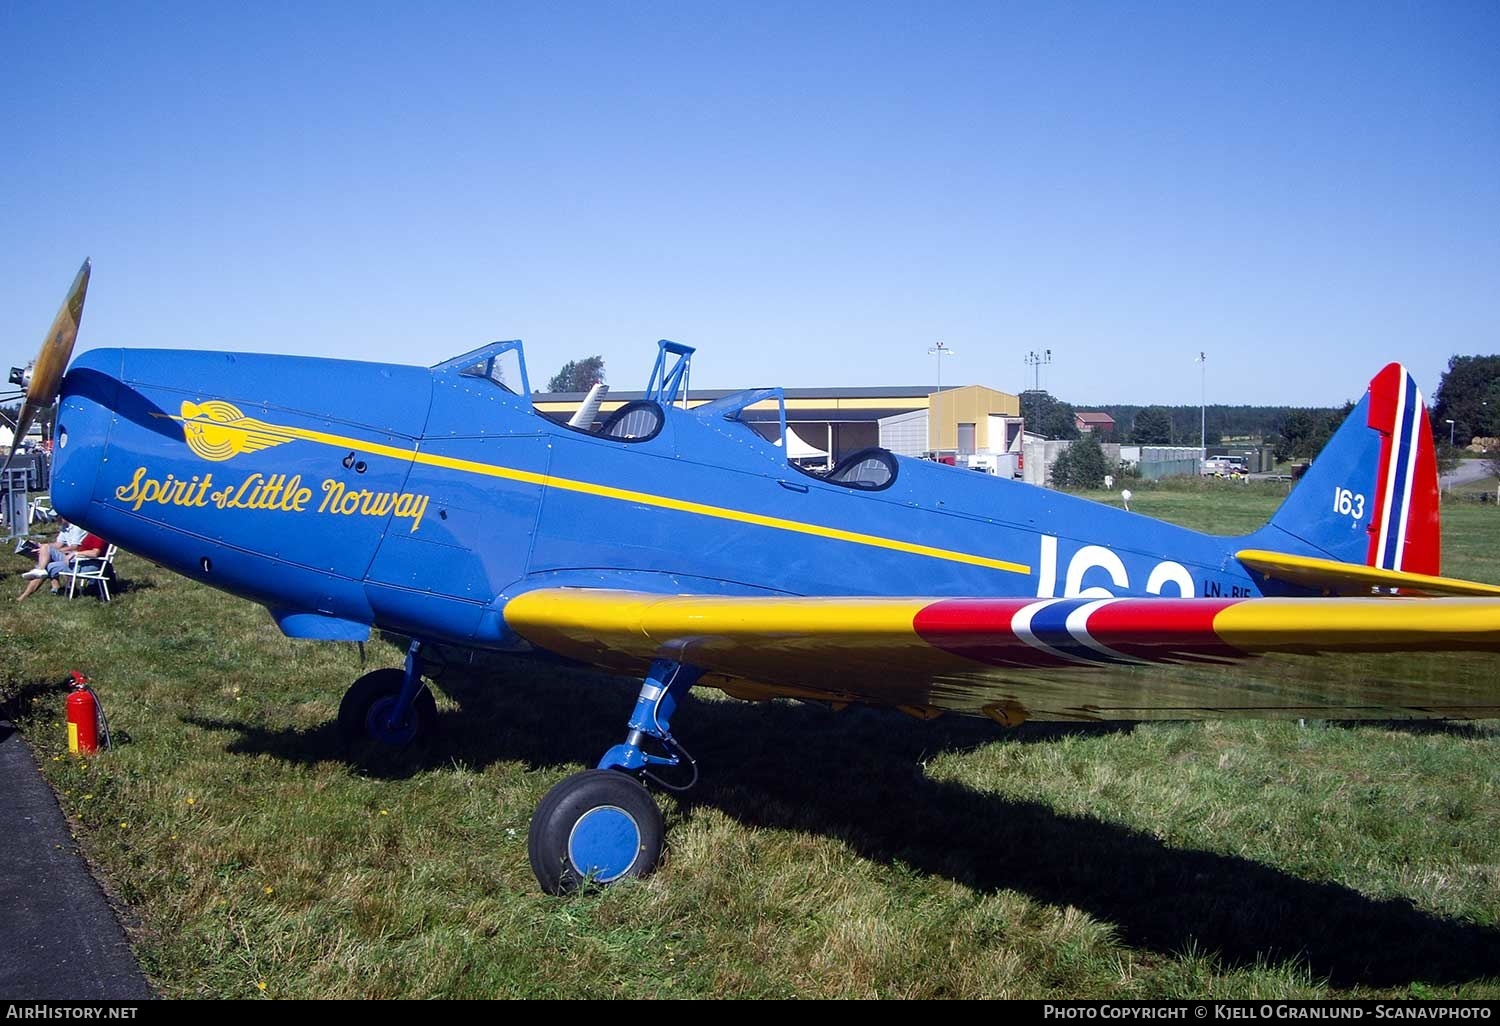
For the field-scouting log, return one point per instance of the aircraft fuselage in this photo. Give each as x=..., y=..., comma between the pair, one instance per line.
x=343, y=495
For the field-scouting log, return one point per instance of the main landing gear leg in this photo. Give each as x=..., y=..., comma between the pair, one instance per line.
x=601, y=825
x=390, y=706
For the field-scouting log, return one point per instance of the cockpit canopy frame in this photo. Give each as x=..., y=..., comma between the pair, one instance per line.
x=488, y=362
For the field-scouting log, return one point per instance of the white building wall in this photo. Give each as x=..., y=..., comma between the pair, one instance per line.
x=1040, y=455
x=905, y=434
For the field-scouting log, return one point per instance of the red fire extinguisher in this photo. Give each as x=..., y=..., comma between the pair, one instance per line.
x=85, y=718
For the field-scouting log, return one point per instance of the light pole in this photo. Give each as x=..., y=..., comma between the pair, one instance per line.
x=940, y=351
x=1203, y=408
x=1036, y=361
x=1450, y=432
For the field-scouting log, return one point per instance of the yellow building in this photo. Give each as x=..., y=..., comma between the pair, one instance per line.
x=972, y=419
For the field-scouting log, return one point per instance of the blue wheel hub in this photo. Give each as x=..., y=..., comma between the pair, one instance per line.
x=378, y=724
x=604, y=843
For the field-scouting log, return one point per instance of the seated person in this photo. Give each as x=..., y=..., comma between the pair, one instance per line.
x=66, y=541
x=92, y=547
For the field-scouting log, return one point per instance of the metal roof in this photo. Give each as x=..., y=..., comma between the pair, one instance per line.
x=706, y=394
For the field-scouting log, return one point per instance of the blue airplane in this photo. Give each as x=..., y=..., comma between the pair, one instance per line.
x=675, y=543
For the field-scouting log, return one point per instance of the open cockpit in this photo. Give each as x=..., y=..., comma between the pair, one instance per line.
x=641, y=420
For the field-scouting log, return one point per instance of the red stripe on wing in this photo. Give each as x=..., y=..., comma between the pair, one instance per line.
x=979, y=629
x=1161, y=629
x=1152, y=630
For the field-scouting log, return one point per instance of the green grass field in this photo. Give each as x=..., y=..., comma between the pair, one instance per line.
x=1483, y=486
x=856, y=854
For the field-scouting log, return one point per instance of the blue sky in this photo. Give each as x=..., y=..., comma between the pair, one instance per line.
x=811, y=193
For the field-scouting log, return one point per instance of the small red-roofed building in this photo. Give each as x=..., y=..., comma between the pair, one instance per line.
x=1100, y=425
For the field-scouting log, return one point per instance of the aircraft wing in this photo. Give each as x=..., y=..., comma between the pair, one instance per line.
x=1080, y=658
x=1333, y=577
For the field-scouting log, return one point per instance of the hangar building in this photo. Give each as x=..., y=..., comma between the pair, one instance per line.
x=913, y=420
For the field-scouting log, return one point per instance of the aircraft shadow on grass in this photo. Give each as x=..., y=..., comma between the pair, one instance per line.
x=857, y=777
x=1473, y=730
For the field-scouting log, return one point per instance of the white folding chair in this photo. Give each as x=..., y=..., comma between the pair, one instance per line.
x=99, y=570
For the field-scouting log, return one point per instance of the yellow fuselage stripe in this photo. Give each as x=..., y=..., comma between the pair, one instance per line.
x=645, y=498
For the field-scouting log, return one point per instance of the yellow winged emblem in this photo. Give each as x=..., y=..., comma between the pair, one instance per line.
x=217, y=430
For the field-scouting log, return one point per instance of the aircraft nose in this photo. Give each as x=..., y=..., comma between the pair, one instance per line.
x=85, y=411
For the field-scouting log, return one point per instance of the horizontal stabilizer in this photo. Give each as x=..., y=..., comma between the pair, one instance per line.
x=1335, y=578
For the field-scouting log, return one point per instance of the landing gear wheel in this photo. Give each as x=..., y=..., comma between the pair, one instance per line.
x=596, y=827
x=365, y=712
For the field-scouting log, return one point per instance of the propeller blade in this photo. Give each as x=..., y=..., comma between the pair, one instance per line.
x=51, y=360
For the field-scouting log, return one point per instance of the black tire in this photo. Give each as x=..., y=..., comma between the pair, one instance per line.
x=381, y=687
x=597, y=802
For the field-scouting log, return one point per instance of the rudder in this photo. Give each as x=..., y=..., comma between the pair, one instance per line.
x=1371, y=496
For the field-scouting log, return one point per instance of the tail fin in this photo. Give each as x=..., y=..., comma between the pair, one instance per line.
x=1371, y=496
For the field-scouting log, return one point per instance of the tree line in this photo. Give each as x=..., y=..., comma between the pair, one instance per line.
x=578, y=375
x=1180, y=425
x=1469, y=395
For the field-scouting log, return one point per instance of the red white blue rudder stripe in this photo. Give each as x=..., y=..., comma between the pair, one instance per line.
x=1405, y=532
x=1371, y=495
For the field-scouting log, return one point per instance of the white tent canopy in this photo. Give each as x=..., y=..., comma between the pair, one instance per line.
x=798, y=449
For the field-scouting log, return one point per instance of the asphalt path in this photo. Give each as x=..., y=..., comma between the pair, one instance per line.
x=1466, y=471
x=59, y=938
